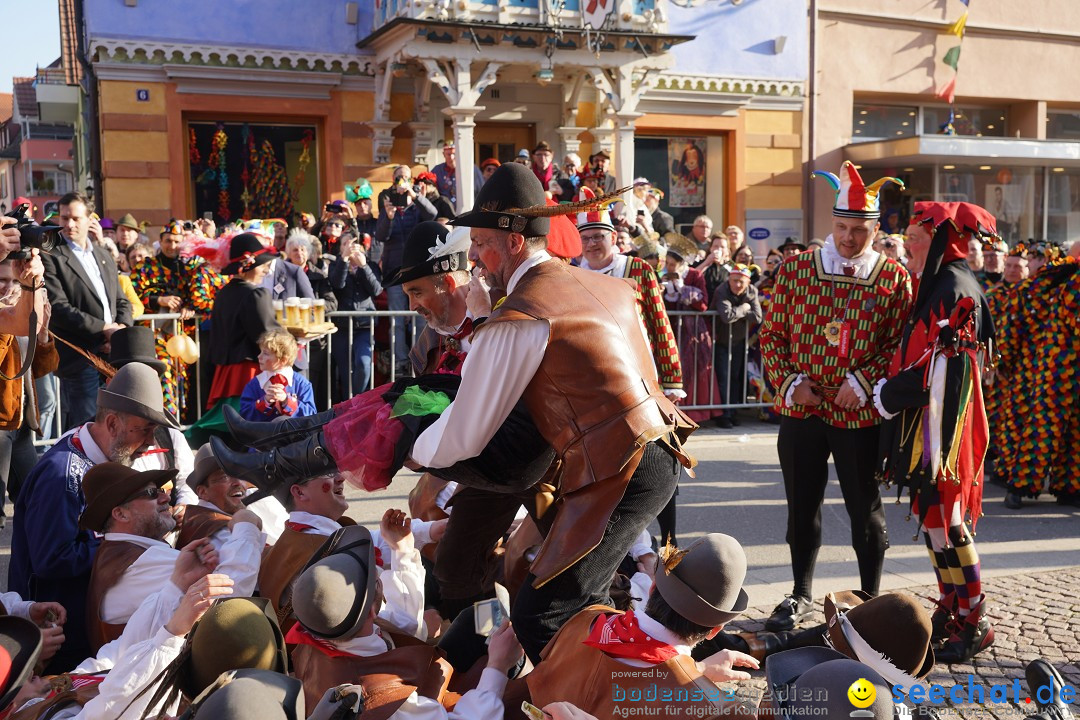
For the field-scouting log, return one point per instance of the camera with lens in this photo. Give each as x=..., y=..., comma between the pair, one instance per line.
x=32, y=235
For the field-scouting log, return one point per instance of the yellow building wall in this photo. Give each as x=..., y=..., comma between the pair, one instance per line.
x=773, y=159
x=134, y=142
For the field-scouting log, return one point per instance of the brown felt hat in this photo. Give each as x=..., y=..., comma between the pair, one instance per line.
x=890, y=633
x=110, y=485
x=205, y=466
x=704, y=583
x=128, y=221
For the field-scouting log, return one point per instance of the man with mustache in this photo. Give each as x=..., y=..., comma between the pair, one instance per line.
x=51, y=556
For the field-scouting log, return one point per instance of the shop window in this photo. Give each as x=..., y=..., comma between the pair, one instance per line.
x=1063, y=204
x=245, y=171
x=976, y=122
x=677, y=165
x=1063, y=126
x=1013, y=195
x=877, y=122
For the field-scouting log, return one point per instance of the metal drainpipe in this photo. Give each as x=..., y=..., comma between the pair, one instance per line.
x=811, y=94
x=92, y=133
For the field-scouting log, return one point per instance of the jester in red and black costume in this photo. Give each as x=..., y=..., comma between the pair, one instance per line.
x=935, y=436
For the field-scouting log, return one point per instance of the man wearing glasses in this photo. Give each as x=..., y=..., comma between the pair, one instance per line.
x=600, y=254
x=131, y=511
x=51, y=555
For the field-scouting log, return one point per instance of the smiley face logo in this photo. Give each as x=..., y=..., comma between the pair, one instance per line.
x=862, y=693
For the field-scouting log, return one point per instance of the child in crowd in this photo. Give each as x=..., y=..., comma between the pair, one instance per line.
x=277, y=391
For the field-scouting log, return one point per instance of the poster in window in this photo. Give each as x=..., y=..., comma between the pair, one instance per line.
x=686, y=156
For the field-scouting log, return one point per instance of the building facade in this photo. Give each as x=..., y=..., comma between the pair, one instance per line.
x=1008, y=142
x=237, y=109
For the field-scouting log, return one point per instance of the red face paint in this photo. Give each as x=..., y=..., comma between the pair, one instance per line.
x=327, y=487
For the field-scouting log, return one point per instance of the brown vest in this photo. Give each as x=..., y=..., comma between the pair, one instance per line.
x=111, y=562
x=601, y=685
x=280, y=566
x=598, y=422
x=426, y=351
x=199, y=523
x=388, y=679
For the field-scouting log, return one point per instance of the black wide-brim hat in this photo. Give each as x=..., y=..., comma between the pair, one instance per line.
x=134, y=344
x=245, y=252
x=511, y=187
x=416, y=257
x=793, y=242
x=21, y=640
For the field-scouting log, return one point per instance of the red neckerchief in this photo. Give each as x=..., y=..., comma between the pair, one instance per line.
x=453, y=356
x=297, y=635
x=620, y=635
x=297, y=527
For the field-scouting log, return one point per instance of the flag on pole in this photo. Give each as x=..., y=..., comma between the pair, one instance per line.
x=957, y=28
x=952, y=58
x=947, y=92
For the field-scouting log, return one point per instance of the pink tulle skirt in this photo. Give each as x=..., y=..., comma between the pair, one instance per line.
x=363, y=438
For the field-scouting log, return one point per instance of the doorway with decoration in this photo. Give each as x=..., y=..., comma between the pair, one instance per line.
x=502, y=140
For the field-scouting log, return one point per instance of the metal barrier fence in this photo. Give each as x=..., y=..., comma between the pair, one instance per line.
x=696, y=333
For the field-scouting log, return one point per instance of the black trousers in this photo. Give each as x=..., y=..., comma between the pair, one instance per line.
x=538, y=613
x=804, y=446
x=464, y=566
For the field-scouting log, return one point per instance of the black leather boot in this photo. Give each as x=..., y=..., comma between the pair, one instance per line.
x=266, y=435
x=1041, y=675
x=276, y=470
x=971, y=634
x=944, y=615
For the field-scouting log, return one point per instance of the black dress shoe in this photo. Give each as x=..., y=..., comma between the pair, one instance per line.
x=1041, y=674
x=723, y=422
x=266, y=435
x=1072, y=499
x=1013, y=500
x=789, y=613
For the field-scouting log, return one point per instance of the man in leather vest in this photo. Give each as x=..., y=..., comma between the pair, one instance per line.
x=134, y=560
x=220, y=497
x=338, y=640
x=640, y=663
x=571, y=348
x=316, y=511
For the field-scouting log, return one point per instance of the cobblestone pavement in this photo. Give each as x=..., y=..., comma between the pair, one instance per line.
x=1033, y=615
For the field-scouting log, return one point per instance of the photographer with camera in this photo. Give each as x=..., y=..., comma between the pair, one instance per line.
x=87, y=305
x=403, y=208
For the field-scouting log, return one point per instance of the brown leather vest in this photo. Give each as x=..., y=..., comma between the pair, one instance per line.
x=598, y=421
x=603, y=686
x=111, y=562
x=425, y=351
x=280, y=566
x=388, y=679
x=200, y=522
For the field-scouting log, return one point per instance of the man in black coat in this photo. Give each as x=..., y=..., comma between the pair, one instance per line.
x=87, y=305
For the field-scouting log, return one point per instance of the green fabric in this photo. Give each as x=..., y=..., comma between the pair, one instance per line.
x=952, y=58
x=212, y=423
x=415, y=401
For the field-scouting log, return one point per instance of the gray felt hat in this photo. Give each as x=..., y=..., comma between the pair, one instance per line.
x=136, y=390
x=333, y=594
x=704, y=583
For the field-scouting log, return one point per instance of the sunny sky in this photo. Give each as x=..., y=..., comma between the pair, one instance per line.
x=36, y=43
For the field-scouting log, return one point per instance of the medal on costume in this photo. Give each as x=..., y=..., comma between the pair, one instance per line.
x=832, y=332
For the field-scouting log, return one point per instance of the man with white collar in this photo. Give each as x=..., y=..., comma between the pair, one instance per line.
x=696, y=592
x=832, y=329
x=132, y=512
x=597, y=389
x=316, y=511
x=339, y=641
x=600, y=254
x=51, y=556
